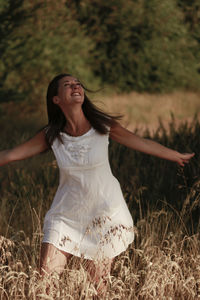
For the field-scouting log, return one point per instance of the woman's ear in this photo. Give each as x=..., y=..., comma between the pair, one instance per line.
x=56, y=100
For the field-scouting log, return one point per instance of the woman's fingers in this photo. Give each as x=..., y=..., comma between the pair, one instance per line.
x=184, y=158
x=186, y=155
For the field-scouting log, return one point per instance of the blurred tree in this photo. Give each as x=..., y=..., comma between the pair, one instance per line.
x=11, y=16
x=141, y=45
x=48, y=42
x=131, y=45
x=191, y=10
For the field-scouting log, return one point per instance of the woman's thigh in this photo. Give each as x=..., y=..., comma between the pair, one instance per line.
x=52, y=259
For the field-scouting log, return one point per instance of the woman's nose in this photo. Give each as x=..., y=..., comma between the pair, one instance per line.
x=74, y=86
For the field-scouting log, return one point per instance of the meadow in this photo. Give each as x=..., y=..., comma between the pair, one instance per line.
x=164, y=260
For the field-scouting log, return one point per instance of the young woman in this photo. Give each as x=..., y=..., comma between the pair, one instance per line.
x=88, y=217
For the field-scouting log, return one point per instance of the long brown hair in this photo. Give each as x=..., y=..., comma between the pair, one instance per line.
x=57, y=121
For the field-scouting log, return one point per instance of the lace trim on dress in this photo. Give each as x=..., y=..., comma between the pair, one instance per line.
x=77, y=151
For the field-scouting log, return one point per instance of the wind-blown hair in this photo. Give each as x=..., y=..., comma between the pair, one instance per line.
x=98, y=119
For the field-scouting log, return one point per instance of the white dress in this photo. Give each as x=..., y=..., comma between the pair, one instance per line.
x=88, y=217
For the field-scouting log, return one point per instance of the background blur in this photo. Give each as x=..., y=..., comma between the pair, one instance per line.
x=150, y=46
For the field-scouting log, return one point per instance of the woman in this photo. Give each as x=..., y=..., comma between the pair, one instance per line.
x=88, y=217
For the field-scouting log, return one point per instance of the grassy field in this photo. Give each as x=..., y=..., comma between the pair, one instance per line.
x=161, y=264
x=164, y=260
x=144, y=110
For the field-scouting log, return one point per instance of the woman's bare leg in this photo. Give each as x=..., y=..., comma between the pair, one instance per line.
x=52, y=259
x=99, y=272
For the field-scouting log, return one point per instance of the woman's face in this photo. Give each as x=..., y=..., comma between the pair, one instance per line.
x=70, y=92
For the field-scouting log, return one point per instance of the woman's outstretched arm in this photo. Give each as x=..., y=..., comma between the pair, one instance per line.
x=127, y=138
x=34, y=146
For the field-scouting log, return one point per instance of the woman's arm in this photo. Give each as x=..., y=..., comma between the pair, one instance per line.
x=30, y=148
x=127, y=138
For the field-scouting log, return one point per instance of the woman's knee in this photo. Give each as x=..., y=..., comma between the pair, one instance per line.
x=98, y=270
x=52, y=259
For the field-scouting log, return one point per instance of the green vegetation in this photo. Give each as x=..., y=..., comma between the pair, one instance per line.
x=129, y=45
x=36, y=48
x=140, y=45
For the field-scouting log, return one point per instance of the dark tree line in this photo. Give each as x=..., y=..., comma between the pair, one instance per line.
x=131, y=45
x=143, y=45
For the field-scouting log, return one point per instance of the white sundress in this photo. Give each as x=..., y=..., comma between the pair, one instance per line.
x=89, y=217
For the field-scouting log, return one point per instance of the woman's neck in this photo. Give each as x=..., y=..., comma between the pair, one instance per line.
x=76, y=122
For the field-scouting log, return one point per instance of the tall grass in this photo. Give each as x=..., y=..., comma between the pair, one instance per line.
x=142, y=110
x=162, y=263
x=164, y=260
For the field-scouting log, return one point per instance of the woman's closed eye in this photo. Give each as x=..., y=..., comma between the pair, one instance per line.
x=72, y=84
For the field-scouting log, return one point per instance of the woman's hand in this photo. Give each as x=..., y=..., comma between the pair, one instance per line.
x=183, y=158
x=30, y=148
x=127, y=138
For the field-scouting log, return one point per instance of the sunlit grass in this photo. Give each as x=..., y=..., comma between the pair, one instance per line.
x=162, y=263
x=144, y=110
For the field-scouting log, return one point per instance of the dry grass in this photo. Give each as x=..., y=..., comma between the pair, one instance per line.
x=162, y=263
x=145, y=110
x=139, y=110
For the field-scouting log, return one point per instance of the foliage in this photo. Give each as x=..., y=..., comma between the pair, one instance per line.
x=12, y=15
x=43, y=47
x=129, y=45
x=191, y=10
x=140, y=45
